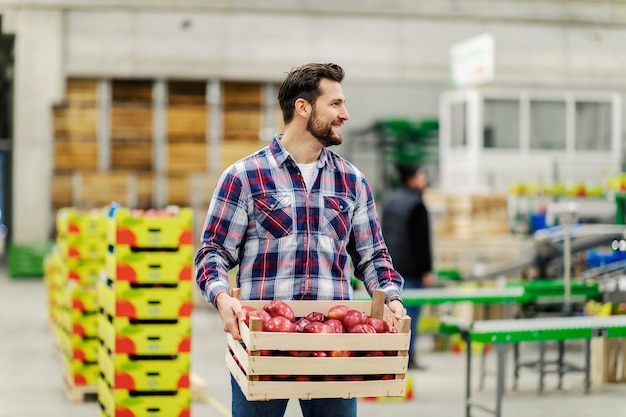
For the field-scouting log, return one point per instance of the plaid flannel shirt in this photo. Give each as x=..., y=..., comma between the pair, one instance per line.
x=288, y=243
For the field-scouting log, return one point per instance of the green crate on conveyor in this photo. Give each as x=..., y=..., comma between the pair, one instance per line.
x=27, y=260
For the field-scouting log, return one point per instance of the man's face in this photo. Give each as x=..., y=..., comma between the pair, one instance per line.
x=328, y=114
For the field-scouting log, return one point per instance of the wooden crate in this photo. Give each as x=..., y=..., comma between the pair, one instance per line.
x=131, y=91
x=264, y=377
x=186, y=123
x=145, y=190
x=100, y=189
x=186, y=157
x=131, y=121
x=179, y=190
x=132, y=156
x=608, y=360
x=233, y=151
x=242, y=94
x=242, y=123
x=186, y=92
x=75, y=156
x=74, y=122
x=62, y=190
x=82, y=90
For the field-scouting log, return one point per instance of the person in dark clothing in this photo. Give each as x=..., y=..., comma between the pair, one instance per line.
x=406, y=229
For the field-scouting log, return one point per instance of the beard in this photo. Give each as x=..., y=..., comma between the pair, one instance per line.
x=323, y=133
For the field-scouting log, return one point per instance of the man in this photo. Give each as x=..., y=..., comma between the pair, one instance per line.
x=292, y=216
x=406, y=229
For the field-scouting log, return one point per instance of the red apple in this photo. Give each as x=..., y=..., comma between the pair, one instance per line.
x=338, y=312
x=379, y=325
x=319, y=354
x=280, y=324
x=340, y=353
x=336, y=325
x=362, y=328
x=262, y=314
x=280, y=308
x=352, y=318
x=300, y=353
x=374, y=353
x=316, y=316
x=247, y=310
x=353, y=378
x=317, y=327
x=301, y=324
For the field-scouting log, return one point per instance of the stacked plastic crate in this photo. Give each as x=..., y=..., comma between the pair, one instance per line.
x=145, y=320
x=80, y=252
x=52, y=268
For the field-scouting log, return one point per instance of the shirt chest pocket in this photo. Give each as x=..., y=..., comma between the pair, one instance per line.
x=336, y=217
x=273, y=215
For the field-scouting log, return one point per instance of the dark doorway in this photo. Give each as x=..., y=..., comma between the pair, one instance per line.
x=6, y=133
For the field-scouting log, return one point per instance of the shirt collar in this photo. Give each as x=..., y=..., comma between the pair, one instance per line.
x=282, y=156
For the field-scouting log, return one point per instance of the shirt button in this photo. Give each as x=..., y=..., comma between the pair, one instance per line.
x=341, y=207
x=272, y=206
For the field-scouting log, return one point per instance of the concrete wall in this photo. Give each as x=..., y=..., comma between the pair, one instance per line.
x=395, y=54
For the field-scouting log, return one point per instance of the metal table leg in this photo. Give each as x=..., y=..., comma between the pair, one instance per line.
x=468, y=373
x=516, y=365
x=483, y=367
x=560, y=362
x=542, y=365
x=587, y=365
x=501, y=350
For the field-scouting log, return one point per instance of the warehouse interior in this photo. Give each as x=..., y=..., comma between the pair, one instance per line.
x=121, y=115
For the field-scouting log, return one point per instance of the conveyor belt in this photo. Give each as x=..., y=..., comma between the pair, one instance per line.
x=475, y=295
x=503, y=332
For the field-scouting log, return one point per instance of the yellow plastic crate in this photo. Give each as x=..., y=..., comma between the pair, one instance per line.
x=128, y=403
x=85, y=248
x=77, y=322
x=138, y=230
x=85, y=272
x=70, y=220
x=124, y=264
x=124, y=335
x=83, y=349
x=122, y=299
x=147, y=373
x=80, y=298
x=81, y=373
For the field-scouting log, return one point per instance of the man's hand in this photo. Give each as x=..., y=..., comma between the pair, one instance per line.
x=397, y=308
x=230, y=312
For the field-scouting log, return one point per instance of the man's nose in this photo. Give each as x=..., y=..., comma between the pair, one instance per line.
x=344, y=115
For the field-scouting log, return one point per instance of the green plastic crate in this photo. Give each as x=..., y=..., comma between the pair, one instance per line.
x=26, y=260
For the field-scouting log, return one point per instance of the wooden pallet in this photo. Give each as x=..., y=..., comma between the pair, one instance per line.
x=79, y=394
x=199, y=391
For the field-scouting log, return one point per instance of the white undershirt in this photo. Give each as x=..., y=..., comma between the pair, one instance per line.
x=309, y=173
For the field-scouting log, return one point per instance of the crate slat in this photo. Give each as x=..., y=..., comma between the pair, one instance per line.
x=269, y=390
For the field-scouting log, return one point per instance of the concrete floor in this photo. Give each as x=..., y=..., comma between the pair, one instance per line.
x=31, y=373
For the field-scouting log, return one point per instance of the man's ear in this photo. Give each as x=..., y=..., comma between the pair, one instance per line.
x=302, y=107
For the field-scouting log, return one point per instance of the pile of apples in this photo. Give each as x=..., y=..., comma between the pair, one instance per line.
x=278, y=316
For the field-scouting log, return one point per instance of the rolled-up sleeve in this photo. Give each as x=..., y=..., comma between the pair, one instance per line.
x=223, y=232
x=371, y=259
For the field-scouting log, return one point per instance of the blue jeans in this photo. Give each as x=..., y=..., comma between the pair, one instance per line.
x=322, y=407
x=414, y=313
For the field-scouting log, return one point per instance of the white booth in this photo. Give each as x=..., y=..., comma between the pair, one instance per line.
x=492, y=137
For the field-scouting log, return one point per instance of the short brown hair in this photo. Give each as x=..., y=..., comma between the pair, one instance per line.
x=303, y=82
